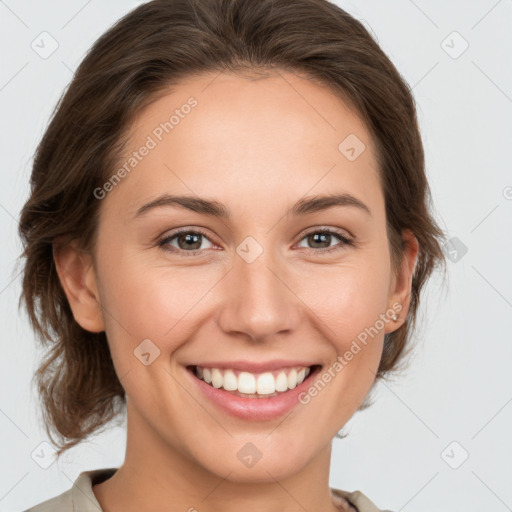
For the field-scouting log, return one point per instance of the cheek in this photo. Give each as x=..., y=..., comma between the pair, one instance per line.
x=347, y=299
x=152, y=302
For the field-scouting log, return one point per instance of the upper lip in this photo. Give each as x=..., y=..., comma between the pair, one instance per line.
x=254, y=366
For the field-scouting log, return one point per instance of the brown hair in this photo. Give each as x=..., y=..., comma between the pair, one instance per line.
x=132, y=64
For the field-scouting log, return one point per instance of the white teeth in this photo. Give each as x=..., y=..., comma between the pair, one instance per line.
x=263, y=384
x=216, y=378
x=266, y=384
x=246, y=383
x=282, y=382
x=230, y=382
x=292, y=378
x=207, y=376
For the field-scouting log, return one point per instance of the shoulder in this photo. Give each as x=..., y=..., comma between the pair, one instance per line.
x=80, y=498
x=62, y=502
x=357, y=500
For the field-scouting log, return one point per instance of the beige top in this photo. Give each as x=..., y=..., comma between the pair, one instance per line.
x=81, y=498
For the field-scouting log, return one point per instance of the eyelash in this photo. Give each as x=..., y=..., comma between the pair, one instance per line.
x=345, y=241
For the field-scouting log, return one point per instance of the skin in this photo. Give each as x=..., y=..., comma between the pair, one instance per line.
x=257, y=146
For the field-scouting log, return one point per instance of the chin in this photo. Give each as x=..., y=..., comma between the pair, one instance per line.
x=250, y=464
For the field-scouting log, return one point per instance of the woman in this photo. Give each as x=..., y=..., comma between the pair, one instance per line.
x=227, y=235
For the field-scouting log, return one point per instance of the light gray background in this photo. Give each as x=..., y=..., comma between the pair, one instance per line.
x=458, y=387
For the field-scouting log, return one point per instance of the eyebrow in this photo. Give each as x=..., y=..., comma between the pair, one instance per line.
x=215, y=209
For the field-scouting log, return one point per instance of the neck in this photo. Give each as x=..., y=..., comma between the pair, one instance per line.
x=161, y=477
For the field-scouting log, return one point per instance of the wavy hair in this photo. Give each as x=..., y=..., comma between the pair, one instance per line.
x=158, y=44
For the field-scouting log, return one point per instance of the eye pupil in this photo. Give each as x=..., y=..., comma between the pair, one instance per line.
x=193, y=238
x=324, y=237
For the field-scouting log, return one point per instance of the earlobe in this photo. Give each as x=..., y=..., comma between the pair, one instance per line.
x=400, y=296
x=78, y=279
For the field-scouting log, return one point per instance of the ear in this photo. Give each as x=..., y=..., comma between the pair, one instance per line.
x=78, y=279
x=400, y=291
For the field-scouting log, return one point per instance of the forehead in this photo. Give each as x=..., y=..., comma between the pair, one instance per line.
x=220, y=132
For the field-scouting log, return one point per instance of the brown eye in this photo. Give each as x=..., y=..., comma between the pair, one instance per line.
x=189, y=241
x=184, y=241
x=322, y=240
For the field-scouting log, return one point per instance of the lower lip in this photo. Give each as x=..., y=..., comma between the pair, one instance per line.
x=255, y=409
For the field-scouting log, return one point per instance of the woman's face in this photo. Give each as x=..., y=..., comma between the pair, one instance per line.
x=261, y=284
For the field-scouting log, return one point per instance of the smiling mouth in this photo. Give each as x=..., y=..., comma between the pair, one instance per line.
x=254, y=385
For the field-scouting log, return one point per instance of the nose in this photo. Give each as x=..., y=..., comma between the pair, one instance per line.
x=259, y=300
